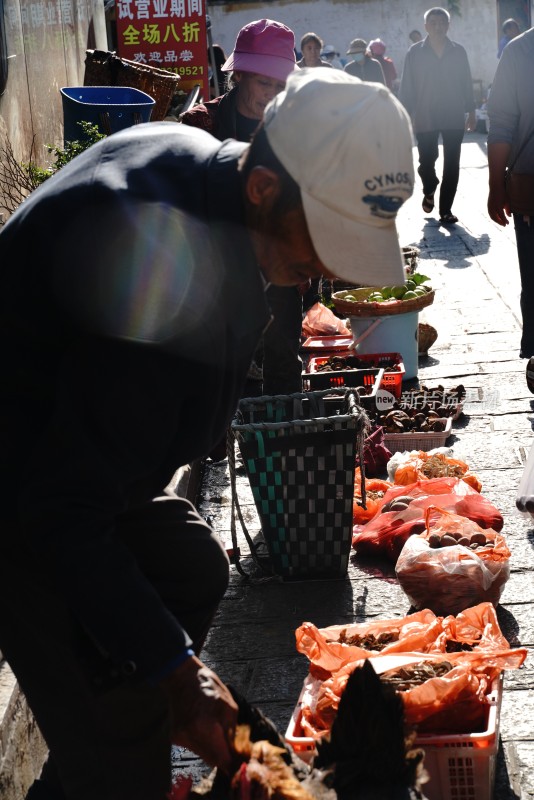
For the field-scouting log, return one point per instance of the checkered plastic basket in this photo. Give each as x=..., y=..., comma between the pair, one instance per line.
x=299, y=452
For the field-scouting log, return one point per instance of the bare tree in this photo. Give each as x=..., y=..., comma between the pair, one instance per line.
x=17, y=180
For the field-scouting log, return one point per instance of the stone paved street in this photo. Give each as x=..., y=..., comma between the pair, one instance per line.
x=473, y=270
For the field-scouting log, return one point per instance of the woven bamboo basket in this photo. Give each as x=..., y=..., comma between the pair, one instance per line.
x=104, y=68
x=363, y=308
x=426, y=336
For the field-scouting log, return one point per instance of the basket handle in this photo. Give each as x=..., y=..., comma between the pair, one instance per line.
x=365, y=334
x=236, y=509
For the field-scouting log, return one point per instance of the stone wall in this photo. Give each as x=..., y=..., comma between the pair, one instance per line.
x=339, y=21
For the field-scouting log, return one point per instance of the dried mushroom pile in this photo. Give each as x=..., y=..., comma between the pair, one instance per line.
x=415, y=674
x=369, y=641
x=424, y=410
x=340, y=363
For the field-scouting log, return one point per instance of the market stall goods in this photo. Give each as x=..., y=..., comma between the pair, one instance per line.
x=453, y=565
x=401, y=511
x=441, y=665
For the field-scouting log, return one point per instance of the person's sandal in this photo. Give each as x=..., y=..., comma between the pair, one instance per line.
x=530, y=374
x=428, y=203
x=448, y=219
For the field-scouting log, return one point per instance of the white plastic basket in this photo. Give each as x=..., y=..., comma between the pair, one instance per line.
x=460, y=766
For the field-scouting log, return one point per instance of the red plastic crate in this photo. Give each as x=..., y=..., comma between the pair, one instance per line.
x=370, y=378
x=392, y=379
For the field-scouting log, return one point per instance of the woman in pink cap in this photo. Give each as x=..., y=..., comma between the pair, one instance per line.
x=263, y=57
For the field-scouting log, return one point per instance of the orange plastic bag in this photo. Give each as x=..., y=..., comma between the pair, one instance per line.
x=453, y=578
x=329, y=649
x=455, y=702
x=422, y=466
x=321, y=321
x=375, y=489
x=452, y=703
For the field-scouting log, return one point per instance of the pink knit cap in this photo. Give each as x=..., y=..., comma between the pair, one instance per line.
x=265, y=47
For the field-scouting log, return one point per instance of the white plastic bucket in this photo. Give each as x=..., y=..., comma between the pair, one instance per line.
x=395, y=333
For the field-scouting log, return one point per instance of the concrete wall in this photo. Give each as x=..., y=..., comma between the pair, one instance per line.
x=339, y=21
x=46, y=46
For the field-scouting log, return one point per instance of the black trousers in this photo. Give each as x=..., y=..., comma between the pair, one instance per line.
x=109, y=736
x=427, y=145
x=524, y=234
x=282, y=365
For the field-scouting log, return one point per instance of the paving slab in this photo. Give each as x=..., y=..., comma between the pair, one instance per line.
x=473, y=269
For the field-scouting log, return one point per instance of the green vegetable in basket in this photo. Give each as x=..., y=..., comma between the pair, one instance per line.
x=418, y=278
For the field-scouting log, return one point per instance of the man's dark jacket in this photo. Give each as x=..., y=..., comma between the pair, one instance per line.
x=131, y=306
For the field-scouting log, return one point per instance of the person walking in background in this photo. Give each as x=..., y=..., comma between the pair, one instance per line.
x=510, y=29
x=377, y=48
x=262, y=59
x=310, y=47
x=437, y=90
x=330, y=54
x=511, y=145
x=363, y=66
x=415, y=36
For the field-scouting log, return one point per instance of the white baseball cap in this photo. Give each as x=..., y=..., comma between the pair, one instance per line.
x=348, y=145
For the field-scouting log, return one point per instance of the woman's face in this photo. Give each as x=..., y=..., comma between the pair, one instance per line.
x=255, y=91
x=311, y=53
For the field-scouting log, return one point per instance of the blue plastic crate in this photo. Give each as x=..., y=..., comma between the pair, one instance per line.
x=111, y=108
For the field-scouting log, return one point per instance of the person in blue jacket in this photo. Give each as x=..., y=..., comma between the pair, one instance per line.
x=132, y=302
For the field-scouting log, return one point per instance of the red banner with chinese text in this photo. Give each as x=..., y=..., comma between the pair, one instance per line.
x=169, y=34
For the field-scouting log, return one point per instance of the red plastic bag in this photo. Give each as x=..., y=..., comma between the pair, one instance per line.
x=321, y=321
x=388, y=531
x=449, y=579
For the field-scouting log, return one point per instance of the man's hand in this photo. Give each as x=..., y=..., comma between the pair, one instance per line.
x=471, y=122
x=498, y=206
x=204, y=714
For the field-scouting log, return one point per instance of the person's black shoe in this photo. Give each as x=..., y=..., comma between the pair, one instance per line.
x=530, y=374
x=448, y=219
x=428, y=203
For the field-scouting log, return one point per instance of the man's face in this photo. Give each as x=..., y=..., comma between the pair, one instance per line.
x=254, y=92
x=281, y=240
x=436, y=26
x=287, y=256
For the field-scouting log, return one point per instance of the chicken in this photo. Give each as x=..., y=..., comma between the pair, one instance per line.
x=368, y=755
